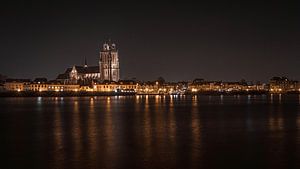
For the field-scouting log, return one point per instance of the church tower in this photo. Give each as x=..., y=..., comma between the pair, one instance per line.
x=109, y=62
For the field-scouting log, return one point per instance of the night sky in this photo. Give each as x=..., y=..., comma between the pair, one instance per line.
x=178, y=41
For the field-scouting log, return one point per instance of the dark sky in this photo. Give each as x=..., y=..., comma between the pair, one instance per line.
x=178, y=41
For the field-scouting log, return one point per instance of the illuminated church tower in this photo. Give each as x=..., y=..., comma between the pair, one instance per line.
x=109, y=63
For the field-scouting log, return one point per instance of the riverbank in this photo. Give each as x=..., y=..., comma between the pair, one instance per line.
x=79, y=94
x=62, y=94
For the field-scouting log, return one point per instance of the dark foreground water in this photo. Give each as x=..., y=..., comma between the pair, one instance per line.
x=151, y=132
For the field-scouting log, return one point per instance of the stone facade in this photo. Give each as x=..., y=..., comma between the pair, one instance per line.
x=80, y=74
x=108, y=69
x=109, y=63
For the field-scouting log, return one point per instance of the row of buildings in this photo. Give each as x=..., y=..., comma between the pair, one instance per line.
x=276, y=85
x=38, y=85
x=106, y=78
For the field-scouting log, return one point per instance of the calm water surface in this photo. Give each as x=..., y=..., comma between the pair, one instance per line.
x=151, y=132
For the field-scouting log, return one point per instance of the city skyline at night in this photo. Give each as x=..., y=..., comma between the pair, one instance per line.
x=149, y=84
x=178, y=41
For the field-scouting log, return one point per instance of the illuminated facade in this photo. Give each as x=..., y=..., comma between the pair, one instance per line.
x=80, y=74
x=109, y=63
x=15, y=84
x=283, y=84
x=199, y=85
x=121, y=86
x=108, y=69
x=50, y=87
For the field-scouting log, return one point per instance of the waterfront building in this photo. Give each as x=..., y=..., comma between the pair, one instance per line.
x=105, y=87
x=15, y=84
x=233, y=86
x=70, y=87
x=121, y=86
x=36, y=87
x=42, y=85
x=157, y=87
x=199, y=85
x=283, y=84
x=257, y=87
x=86, y=88
x=148, y=88
x=39, y=84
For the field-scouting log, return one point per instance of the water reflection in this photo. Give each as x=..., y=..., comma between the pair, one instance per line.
x=221, y=99
x=92, y=134
x=59, y=152
x=39, y=104
x=147, y=129
x=157, y=100
x=109, y=134
x=39, y=100
x=238, y=99
x=137, y=104
x=172, y=122
x=271, y=98
x=196, y=133
x=249, y=99
x=209, y=99
x=159, y=123
x=137, y=99
x=76, y=134
x=152, y=131
x=279, y=98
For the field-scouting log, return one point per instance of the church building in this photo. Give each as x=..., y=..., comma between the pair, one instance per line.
x=108, y=69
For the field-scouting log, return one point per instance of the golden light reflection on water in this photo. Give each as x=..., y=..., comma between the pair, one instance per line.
x=86, y=132
x=276, y=120
x=172, y=122
x=59, y=153
x=76, y=133
x=137, y=99
x=157, y=100
x=109, y=129
x=92, y=133
x=271, y=98
x=221, y=99
x=137, y=104
x=159, y=122
x=147, y=128
x=196, y=130
x=279, y=98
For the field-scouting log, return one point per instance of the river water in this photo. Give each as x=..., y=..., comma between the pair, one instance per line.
x=250, y=131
